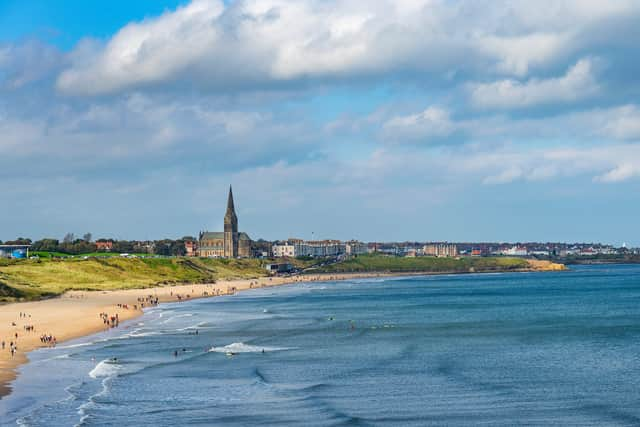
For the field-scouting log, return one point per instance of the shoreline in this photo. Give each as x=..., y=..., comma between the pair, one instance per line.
x=76, y=314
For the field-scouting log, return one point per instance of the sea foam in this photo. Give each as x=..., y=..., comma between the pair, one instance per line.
x=105, y=368
x=239, y=347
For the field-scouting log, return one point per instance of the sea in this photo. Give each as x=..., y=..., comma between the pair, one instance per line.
x=556, y=348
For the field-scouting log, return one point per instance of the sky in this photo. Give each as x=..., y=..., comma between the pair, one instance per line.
x=387, y=120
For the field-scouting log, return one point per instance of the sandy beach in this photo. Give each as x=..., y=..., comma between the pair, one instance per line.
x=77, y=313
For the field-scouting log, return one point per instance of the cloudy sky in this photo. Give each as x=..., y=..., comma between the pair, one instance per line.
x=376, y=120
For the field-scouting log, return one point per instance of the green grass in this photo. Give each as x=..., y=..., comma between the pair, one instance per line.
x=383, y=263
x=45, y=254
x=33, y=279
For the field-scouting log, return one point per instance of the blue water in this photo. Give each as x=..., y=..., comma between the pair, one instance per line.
x=496, y=349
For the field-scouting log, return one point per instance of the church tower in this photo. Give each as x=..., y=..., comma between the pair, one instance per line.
x=230, y=229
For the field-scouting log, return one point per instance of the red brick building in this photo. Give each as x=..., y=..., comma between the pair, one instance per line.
x=104, y=245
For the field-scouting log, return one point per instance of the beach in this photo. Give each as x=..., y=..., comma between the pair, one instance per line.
x=452, y=349
x=78, y=313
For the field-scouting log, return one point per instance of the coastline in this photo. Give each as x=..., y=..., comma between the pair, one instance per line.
x=77, y=313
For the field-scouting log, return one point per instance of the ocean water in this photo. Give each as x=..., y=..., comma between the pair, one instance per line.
x=493, y=349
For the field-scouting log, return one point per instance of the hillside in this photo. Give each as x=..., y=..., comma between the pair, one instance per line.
x=32, y=279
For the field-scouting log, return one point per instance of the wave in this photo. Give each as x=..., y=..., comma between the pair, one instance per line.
x=138, y=334
x=105, y=368
x=239, y=347
x=177, y=316
x=82, y=344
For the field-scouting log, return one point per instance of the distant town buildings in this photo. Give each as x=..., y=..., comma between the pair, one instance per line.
x=311, y=248
x=317, y=248
x=515, y=251
x=191, y=248
x=440, y=250
x=231, y=243
x=355, y=247
x=228, y=243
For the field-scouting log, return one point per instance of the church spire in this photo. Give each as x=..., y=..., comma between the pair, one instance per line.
x=230, y=207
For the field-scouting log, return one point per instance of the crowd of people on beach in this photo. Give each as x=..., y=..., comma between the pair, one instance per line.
x=13, y=347
x=112, y=321
x=13, y=342
x=48, y=339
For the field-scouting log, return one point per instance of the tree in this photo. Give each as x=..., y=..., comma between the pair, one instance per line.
x=18, y=241
x=87, y=237
x=69, y=238
x=163, y=247
x=123, y=246
x=46, y=245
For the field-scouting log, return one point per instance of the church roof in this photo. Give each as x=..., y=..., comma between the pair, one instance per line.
x=213, y=235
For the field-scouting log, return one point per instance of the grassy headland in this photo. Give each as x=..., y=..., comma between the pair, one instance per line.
x=22, y=280
x=392, y=264
x=33, y=279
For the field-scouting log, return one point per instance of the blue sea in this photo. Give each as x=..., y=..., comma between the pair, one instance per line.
x=495, y=349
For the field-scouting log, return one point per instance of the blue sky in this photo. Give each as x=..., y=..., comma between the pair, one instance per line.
x=385, y=120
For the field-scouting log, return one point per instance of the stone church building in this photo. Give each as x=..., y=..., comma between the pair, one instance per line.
x=228, y=243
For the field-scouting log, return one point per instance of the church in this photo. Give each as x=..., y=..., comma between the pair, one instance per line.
x=228, y=243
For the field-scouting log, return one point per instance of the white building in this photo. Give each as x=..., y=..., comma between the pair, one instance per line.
x=314, y=248
x=515, y=251
x=284, y=250
x=354, y=247
x=440, y=250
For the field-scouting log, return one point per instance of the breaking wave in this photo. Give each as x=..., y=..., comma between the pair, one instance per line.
x=239, y=347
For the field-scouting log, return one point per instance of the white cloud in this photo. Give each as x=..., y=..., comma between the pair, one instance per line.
x=432, y=123
x=624, y=123
x=620, y=173
x=269, y=42
x=615, y=163
x=28, y=62
x=505, y=176
x=147, y=52
x=578, y=83
x=516, y=55
x=146, y=130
